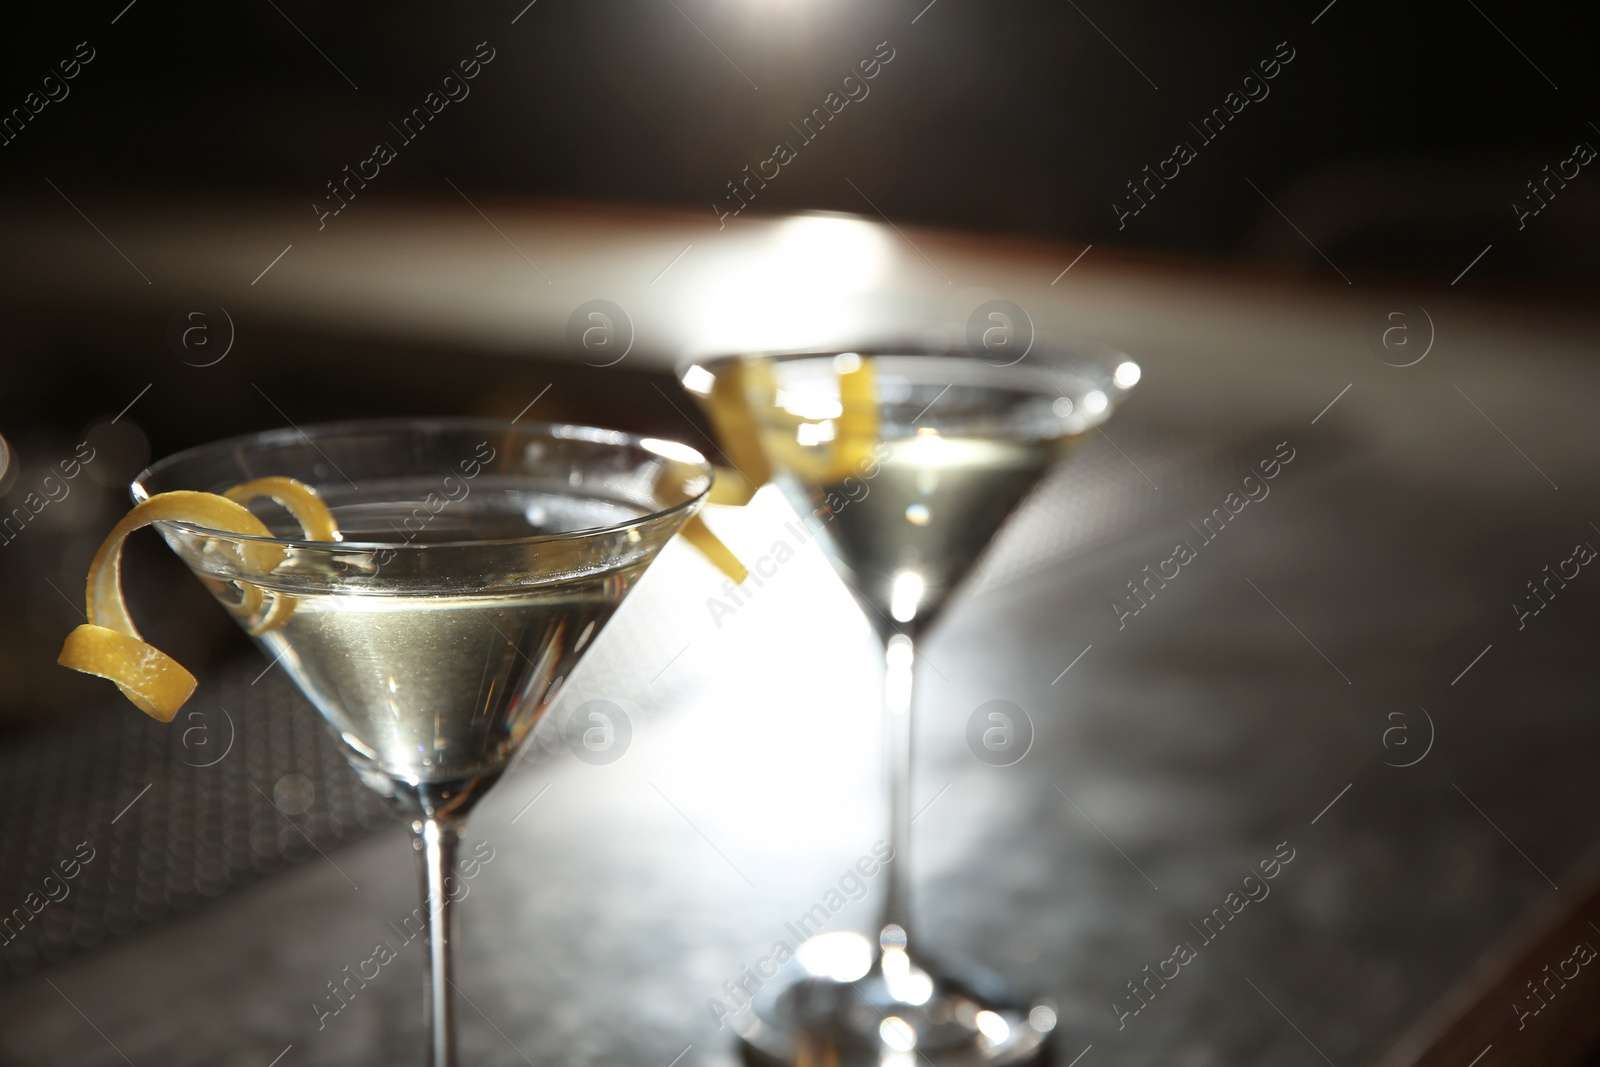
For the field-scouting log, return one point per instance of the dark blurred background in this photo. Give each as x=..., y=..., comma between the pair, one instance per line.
x=1393, y=126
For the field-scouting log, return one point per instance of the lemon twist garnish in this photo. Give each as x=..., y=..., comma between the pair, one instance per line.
x=298, y=498
x=110, y=646
x=731, y=486
x=744, y=385
x=698, y=534
x=301, y=501
x=735, y=424
x=857, y=426
x=731, y=410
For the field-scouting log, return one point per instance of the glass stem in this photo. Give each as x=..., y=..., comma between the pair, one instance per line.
x=435, y=844
x=899, y=655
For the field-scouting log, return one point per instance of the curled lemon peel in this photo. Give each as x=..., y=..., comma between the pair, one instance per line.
x=315, y=520
x=298, y=498
x=745, y=385
x=731, y=407
x=698, y=534
x=732, y=417
x=857, y=429
x=731, y=486
x=110, y=646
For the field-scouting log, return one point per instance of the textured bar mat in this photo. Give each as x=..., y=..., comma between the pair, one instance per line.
x=115, y=821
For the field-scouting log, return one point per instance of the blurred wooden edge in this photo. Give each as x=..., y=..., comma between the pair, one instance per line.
x=1481, y=1011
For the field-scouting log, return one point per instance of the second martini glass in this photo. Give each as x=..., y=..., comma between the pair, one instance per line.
x=909, y=462
x=479, y=560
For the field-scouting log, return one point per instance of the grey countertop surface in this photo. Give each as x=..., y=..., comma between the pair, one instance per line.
x=1357, y=619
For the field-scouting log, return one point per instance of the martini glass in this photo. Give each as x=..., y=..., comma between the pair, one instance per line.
x=479, y=560
x=908, y=471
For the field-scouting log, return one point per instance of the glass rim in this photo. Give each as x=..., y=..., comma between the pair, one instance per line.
x=1092, y=376
x=576, y=431
x=1075, y=355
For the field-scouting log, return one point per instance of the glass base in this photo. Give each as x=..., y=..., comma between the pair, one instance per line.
x=899, y=1013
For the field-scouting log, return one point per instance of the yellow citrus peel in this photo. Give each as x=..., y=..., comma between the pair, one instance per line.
x=745, y=386
x=737, y=390
x=698, y=534
x=857, y=427
x=298, y=498
x=110, y=646
x=316, y=521
x=735, y=424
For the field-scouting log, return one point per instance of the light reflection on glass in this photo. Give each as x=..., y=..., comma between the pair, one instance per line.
x=672, y=450
x=809, y=404
x=924, y=450
x=843, y=956
x=897, y=698
x=906, y=595
x=897, y=1034
x=698, y=380
x=811, y=434
x=905, y=983
x=993, y=1026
